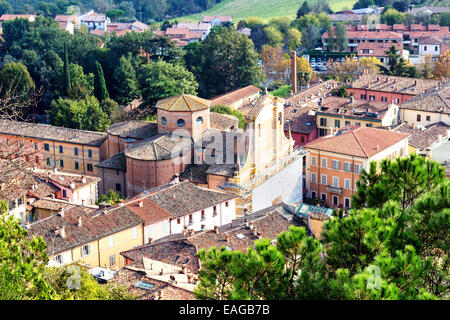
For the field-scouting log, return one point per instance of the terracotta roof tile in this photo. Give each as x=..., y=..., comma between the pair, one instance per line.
x=47, y=132
x=363, y=142
x=234, y=96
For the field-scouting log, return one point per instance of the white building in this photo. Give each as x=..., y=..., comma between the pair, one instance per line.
x=427, y=108
x=94, y=20
x=182, y=206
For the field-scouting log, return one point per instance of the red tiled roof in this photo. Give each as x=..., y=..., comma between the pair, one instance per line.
x=363, y=142
x=177, y=31
x=220, y=18
x=149, y=211
x=235, y=96
x=6, y=17
x=379, y=49
x=66, y=18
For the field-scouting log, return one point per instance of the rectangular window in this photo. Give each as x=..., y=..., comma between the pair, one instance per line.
x=226, y=204
x=191, y=220
x=85, y=250
x=335, y=200
x=418, y=117
x=118, y=187
x=89, y=167
x=347, y=184
x=214, y=211
x=111, y=241
x=314, y=161
x=313, y=194
x=46, y=147
x=369, y=125
x=384, y=99
x=337, y=123
x=336, y=164
x=324, y=162
x=357, y=168
x=336, y=182
x=347, y=123
x=75, y=151
x=347, y=202
x=112, y=260
x=428, y=118
x=36, y=146
x=64, y=192
x=90, y=153
x=323, y=179
x=313, y=177
x=48, y=161
x=61, y=163
x=347, y=167
x=61, y=149
x=397, y=100
x=59, y=259
x=77, y=165
x=358, y=124
x=324, y=196
x=202, y=215
x=363, y=97
x=323, y=122
x=178, y=221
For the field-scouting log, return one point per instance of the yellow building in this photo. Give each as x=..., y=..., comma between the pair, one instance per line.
x=68, y=150
x=334, y=113
x=89, y=236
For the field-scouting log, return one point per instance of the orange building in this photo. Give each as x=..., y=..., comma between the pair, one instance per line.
x=334, y=163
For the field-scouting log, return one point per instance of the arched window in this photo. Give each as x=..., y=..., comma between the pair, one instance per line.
x=163, y=121
x=199, y=120
x=180, y=122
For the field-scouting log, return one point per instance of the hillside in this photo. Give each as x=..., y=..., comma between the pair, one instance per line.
x=264, y=9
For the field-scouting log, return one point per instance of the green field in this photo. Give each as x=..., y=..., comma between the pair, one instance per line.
x=264, y=9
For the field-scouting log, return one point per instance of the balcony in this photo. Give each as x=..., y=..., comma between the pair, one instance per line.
x=332, y=189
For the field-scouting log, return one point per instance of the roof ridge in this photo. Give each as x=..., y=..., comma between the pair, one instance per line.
x=359, y=142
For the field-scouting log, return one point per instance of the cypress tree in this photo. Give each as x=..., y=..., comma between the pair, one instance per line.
x=66, y=72
x=99, y=83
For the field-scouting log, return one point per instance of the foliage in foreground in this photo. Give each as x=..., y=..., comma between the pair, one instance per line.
x=24, y=275
x=394, y=249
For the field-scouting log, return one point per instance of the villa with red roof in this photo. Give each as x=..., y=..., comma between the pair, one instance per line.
x=334, y=162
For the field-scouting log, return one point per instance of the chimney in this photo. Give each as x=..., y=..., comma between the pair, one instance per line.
x=62, y=232
x=72, y=186
x=83, y=179
x=161, y=272
x=294, y=71
x=377, y=147
x=150, y=240
x=80, y=223
x=191, y=232
x=183, y=269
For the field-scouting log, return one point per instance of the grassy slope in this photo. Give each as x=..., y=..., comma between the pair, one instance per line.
x=264, y=9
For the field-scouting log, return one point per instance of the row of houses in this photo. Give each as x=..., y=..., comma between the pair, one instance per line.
x=412, y=42
x=185, y=32
x=96, y=23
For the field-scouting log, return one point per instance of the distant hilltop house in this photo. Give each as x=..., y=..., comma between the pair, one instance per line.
x=10, y=17
x=68, y=22
x=217, y=20
x=94, y=20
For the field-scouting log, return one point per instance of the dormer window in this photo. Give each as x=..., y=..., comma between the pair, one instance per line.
x=180, y=122
x=163, y=121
